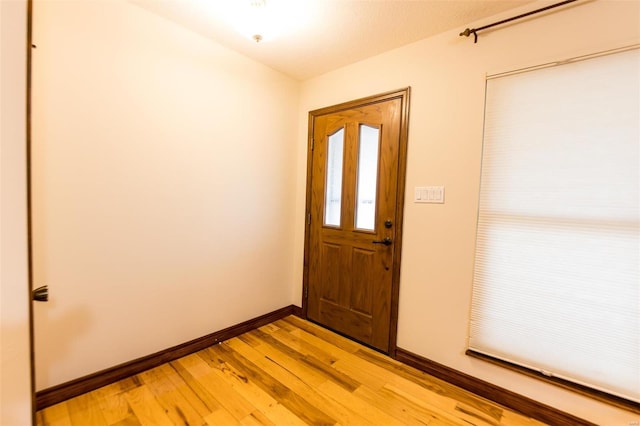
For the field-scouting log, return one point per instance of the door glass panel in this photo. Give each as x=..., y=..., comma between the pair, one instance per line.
x=367, y=177
x=333, y=194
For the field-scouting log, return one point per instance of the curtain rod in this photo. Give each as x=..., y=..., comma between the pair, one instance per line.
x=474, y=31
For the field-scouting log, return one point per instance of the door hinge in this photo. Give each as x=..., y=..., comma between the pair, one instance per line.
x=306, y=292
x=313, y=143
x=308, y=218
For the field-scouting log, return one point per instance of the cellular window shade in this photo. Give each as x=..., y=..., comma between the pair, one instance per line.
x=556, y=276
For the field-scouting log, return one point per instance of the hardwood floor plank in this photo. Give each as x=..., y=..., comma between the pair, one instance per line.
x=129, y=421
x=115, y=408
x=269, y=410
x=443, y=403
x=221, y=417
x=251, y=340
x=512, y=418
x=56, y=415
x=333, y=351
x=344, y=415
x=257, y=418
x=436, y=385
x=441, y=414
x=187, y=392
x=226, y=397
x=324, y=334
x=269, y=328
x=307, y=363
x=277, y=414
x=368, y=374
x=458, y=413
x=303, y=347
x=85, y=410
x=117, y=387
x=296, y=404
x=371, y=413
x=201, y=392
x=409, y=414
x=309, y=376
x=177, y=407
x=287, y=373
x=146, y=407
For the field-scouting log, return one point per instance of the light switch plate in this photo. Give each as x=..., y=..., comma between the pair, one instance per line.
x=429, y=194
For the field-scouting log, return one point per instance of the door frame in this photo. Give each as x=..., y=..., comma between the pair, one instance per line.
x=403, y=95
x=16, y=345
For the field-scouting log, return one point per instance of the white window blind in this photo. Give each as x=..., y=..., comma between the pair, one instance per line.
x=557, y=271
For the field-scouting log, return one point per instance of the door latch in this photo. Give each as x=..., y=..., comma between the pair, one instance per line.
x=386, y=241
x=41, y=294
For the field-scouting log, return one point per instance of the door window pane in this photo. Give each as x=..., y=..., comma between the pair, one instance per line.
x=333, y=195
x=367, y=177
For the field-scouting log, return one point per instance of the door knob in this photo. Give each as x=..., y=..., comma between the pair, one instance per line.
x=387, y=241
x=41, y=294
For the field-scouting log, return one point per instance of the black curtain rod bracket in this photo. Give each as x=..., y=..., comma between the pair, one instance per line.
x=474, y=31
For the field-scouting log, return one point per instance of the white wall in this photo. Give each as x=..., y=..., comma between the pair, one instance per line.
x=163, y=186
x=446, y=75
x=15, y=365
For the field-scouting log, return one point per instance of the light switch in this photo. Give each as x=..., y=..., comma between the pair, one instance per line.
x=429, y=194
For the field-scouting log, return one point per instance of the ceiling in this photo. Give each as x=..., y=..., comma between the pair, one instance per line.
x=307, y=38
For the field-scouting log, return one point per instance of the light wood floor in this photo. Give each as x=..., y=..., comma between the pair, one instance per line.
x=290, y=372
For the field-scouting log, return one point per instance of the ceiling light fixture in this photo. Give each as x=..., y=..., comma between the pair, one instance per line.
x=264, y=20
x=257, y=18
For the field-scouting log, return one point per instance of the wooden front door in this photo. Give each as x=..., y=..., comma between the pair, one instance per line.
x=354, y=206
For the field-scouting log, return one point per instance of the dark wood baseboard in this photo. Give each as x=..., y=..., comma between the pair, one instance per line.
x=297, y=311
x=64, y=391
x=509, y=399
